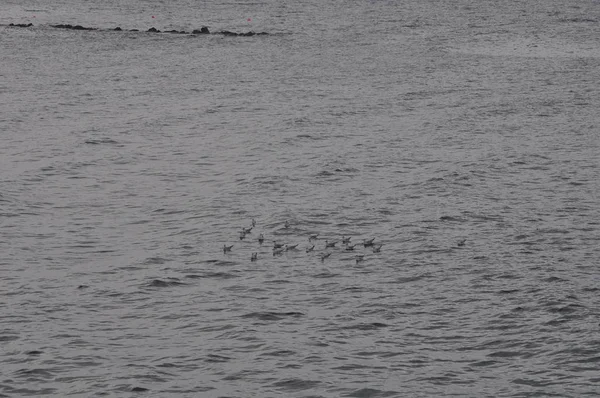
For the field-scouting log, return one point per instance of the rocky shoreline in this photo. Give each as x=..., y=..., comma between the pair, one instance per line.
x=202, y=31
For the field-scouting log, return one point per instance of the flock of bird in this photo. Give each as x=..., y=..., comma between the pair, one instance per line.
x=279, y=247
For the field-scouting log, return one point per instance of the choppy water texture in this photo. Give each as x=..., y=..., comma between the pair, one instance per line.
x=129, y=159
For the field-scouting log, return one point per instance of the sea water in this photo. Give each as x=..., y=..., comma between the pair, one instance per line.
x=462, y=136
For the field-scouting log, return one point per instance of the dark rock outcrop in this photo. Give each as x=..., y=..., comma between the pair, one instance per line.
x=203, y=31
x=73, y=27
x=21, y=25
x=248, y=34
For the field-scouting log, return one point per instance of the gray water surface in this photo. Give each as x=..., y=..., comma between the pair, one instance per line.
x=129, y=159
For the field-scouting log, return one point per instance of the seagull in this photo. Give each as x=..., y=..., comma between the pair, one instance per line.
x=277, y=251
x=287, y=224
x=350, y=247
x=377, y=249
x=330, y=244
x=461, y=242
x=227, y=248
x=291, y=247
x=261, y=238
x=254, y=257
x=242, y=235
x=360, y=258
x=253, y=223
x=313, y=237
x=346, y=240
x=277, y=245
x=368, y=242
x=325, y=255
x=247, y=230
x=309, y=249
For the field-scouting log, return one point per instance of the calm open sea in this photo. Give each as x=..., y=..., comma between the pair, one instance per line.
x=462, y=136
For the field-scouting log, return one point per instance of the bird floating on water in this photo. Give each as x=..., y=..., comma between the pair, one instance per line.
x=377, y=248
x=346, y=240
x=254, y=257
x=368, y=242
x=247, y=230
x=261, y=238
x=359, y=258
x=330, y=244
x=325, y=255
x=227, y=248
x=313, y=237
x=277, y=251
x=253, y=223
x=309, y=249
x=287, y=224
x=350, y=247
x=461, y=242
x=291, y=247
x=277, y=245
x=242, y=235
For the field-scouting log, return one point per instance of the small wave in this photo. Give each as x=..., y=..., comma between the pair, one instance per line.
x=277, y=282
x=100, y=141
x=214, y=358
x=325, y=275
x=244, y=374
x=484, y=363
x=371, y=393
x=308, y=136
x=554, y=279
x=579, y=20
x=594, y=359
x=508, y=291
x=407, y=279
x=325, y=173
x=272, y=316
x=279, y=353
x=42, y=373
x=168, y=283
x=216, y=275
x=567, y=309
x=451, y=218
x=591, y=289
x=155, y=260
x=167, y=365
x=505, y=354
x=367, y=326
x=296, y=384
x=352, y=367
